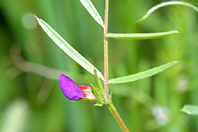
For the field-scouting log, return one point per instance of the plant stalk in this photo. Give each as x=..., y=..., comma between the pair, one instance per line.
x=110, y=105
x=117, y=117
x=106, y=71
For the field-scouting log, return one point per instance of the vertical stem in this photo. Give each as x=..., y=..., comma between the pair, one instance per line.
x=110, y=105
x=106, y=71
x=117, y=117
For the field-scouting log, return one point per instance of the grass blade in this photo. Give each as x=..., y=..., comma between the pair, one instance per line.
x=140, y=35
x=166, y=4
x=190, y=109
x=92, y=10
x=142, y=75
x=67, y=48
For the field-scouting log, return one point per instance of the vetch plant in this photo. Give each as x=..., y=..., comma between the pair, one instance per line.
x=100, y=93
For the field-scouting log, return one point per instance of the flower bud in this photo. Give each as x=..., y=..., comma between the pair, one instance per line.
x=74, y=92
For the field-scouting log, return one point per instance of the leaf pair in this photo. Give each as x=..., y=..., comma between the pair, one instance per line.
x=94, y=13
x=68, y=49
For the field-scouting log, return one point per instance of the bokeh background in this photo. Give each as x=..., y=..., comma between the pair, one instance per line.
x=30, y=65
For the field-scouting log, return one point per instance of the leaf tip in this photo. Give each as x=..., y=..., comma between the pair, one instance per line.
x=176, y=31
x=175, y=62
x=36, y=17
x=179, y=32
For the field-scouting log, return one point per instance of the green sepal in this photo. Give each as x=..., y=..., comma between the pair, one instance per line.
x=100, y=87
x=97, y=80
x=100, y=100
x=97, y=93
x=110, y=95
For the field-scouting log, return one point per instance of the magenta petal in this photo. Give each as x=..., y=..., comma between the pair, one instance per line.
x=70, y=89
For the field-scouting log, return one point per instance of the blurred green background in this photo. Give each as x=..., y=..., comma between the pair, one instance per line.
x=30, y=65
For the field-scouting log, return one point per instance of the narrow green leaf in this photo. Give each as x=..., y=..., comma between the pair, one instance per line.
x=92, y=10
x=142, y=75
x=190, y=109
x=166, y=4
x=140, y=35
x=67, y=48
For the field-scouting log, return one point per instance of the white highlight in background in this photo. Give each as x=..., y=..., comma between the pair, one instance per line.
x=161, y=115
x=29, y=21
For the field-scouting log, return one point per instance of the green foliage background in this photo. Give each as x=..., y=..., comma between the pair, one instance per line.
x=30, y=97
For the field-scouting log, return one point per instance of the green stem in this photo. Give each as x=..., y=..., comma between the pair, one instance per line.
x=110, y=105
x=106, y=72
x=117, y=117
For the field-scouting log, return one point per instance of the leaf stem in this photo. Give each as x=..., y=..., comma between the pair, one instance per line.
x=117, y=117
x=106, y=72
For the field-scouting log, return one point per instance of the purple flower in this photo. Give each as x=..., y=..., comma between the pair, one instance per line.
x=74, y=92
